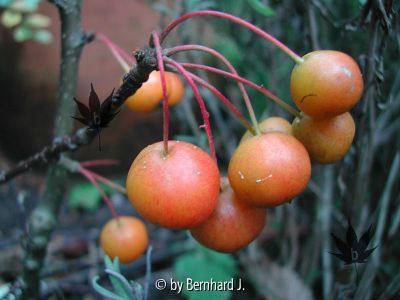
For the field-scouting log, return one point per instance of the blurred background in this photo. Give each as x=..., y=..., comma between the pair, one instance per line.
x=290, y=259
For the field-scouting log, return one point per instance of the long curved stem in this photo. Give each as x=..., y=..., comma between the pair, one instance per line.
x=110, y=183
x=99, y=162
x=225, y=100
x=160, y=62
x=200, y=101
x=297, y=59
x=231, y=68
x=89, y=175
x=245, y=81
x=120, y=55
x=101, y=37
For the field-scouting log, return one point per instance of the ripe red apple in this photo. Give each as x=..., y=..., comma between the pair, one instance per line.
x=178, y=190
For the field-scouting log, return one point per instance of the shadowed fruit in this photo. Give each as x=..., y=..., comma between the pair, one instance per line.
x=270, y=169
x=179, y=190
x=232, y=225
x=327, y=140
x=326, y=84
x=175, y=88
x=148, y=96
x=271, y=124
x=125, y=238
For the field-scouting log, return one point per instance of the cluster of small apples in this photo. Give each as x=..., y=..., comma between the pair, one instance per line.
x=150, y=94
x=183, y=189
x=325, y=87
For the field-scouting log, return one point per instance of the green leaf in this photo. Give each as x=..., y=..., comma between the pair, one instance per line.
x=11, y=18
x=84, y=196
x=104, y=292
x=204, y=265
x=37, y=21
x=4, y=290
x=32, y=4
x=43, y=36
x=25, y=6
x=5, y=3
x=261, y=8
x=230, y=49
x=119, y=287
x=120, y=284
x=22, y=33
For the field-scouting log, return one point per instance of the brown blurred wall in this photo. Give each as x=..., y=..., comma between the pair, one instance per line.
x=30, y=75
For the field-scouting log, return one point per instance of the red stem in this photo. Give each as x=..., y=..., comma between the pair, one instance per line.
x=225, y=100
x=160, y=63
x=231, y=68
x=100, y=162
x=245, y=81
x=109, y=183
x=89, y=175
x=237, y=20
x=200, y=101
x=101, y=37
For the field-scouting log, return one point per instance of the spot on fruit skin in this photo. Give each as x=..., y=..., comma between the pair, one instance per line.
x=241, y=175
x=265, y=178
x=349, y=74
x=309, y=95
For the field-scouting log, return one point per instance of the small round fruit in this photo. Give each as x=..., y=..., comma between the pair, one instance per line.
x=271, y=124
x=328, y=83
x=178, y=190
x=175, y=88
x=326, y=140
x=233, y=224
x=270, y=169
x=148, y=96
x=124, y=237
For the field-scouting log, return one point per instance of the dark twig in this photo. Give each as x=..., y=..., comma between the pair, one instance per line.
x=146, y=62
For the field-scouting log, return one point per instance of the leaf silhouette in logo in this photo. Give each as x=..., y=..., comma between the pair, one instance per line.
x=353, y=250
x=96, y=115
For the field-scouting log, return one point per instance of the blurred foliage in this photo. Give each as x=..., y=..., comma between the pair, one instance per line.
x=21, y=16
x=123, y=289
x=203, y=264
x=84, y=196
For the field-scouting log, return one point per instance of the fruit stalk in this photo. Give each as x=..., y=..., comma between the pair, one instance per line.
x=231, y=68
x=259, y=88
x=90, y=176
x=99, y=162
x=160, y=61
x=200, y=101
x=221, y=97
x=296, y=58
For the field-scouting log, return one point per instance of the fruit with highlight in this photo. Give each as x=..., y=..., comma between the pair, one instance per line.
x=328, y=83
x=269, y=170
x=178, y=190
x=124, y=237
